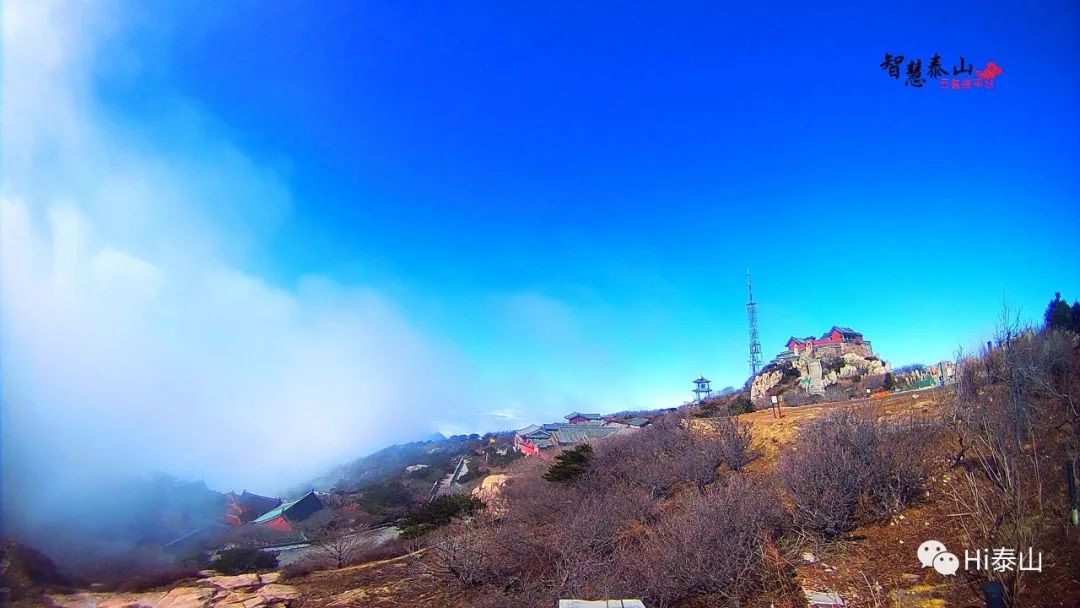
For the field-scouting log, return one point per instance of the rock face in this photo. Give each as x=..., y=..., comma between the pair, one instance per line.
x=763, y=382
x=22, y=569
x=240, y=591
x=816, y=386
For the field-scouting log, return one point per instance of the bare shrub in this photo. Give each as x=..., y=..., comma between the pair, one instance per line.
x=335, y=539
x=626, y=527
x=796, y=398
x=339, y=549
x=646, y=459
x=674, y=450
x=1011, y=406
x=711, y=543
x=847, y=468
x=464, y=553
x=735, y=439
x=304, y=566
x=874, y=383
x=836, y=393
x=584, y=542
x=387, y=550
x=255, y=536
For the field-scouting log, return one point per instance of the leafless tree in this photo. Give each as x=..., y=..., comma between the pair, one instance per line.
x=334, y=538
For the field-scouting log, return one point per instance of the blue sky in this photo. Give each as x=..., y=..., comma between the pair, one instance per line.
x=556, y=202
x=631, y=163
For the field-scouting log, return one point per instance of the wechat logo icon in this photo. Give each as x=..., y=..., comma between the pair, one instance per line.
x=933, y=554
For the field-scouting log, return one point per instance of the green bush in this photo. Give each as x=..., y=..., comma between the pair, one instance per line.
x=1057, y=314
x=241, y=559
x=570, y=464
x=495, y=459
x=741, y=404
x=378, y=499
x=790, y=374
x=438, y=513
x=832, y=364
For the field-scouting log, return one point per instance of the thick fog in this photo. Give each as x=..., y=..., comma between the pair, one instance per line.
x=133, y=338
x=142, y=328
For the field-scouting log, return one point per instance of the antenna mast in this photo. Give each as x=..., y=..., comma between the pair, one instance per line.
x=751, y=315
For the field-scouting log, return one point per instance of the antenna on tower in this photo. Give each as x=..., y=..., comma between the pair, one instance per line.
x=751, y=315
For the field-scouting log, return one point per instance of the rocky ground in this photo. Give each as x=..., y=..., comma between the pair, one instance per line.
x=241, y=591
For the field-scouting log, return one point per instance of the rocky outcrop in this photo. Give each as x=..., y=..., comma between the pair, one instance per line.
x=240, y=591
x=817, y=385
x=24, y=570
x=763, y=382
x=857, y=365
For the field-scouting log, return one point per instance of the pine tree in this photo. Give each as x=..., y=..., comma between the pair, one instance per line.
x=1057, y=314
x=570, y=464
x=1074, y=317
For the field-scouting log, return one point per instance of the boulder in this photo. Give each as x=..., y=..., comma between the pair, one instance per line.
x=240, y=581
x=187, y=597
x=275, y=592
x=352, y=597
x=241, y=599
x=763, y=382
x=148, y=599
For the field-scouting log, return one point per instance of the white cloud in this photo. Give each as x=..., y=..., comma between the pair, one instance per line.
x=132, y=338
x=133, y=335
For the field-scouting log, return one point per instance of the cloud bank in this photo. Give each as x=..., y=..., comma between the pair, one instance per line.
x=132, y=339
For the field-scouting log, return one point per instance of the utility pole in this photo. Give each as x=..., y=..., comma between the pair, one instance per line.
x=751, y=315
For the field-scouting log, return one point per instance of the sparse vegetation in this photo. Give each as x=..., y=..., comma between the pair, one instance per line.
x=663, y=513
x=438, y=513
x=846, y=468
x=1014, y=412
x=386, y=501
x=243, y=559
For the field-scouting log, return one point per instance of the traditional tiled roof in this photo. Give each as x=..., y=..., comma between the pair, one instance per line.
x=529, y=430
x=283, y=509
x=578, y=415
x=257, y=504
x=847, y=332
x=580, y=433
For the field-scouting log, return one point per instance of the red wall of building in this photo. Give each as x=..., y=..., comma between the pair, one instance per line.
x=279, y=523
